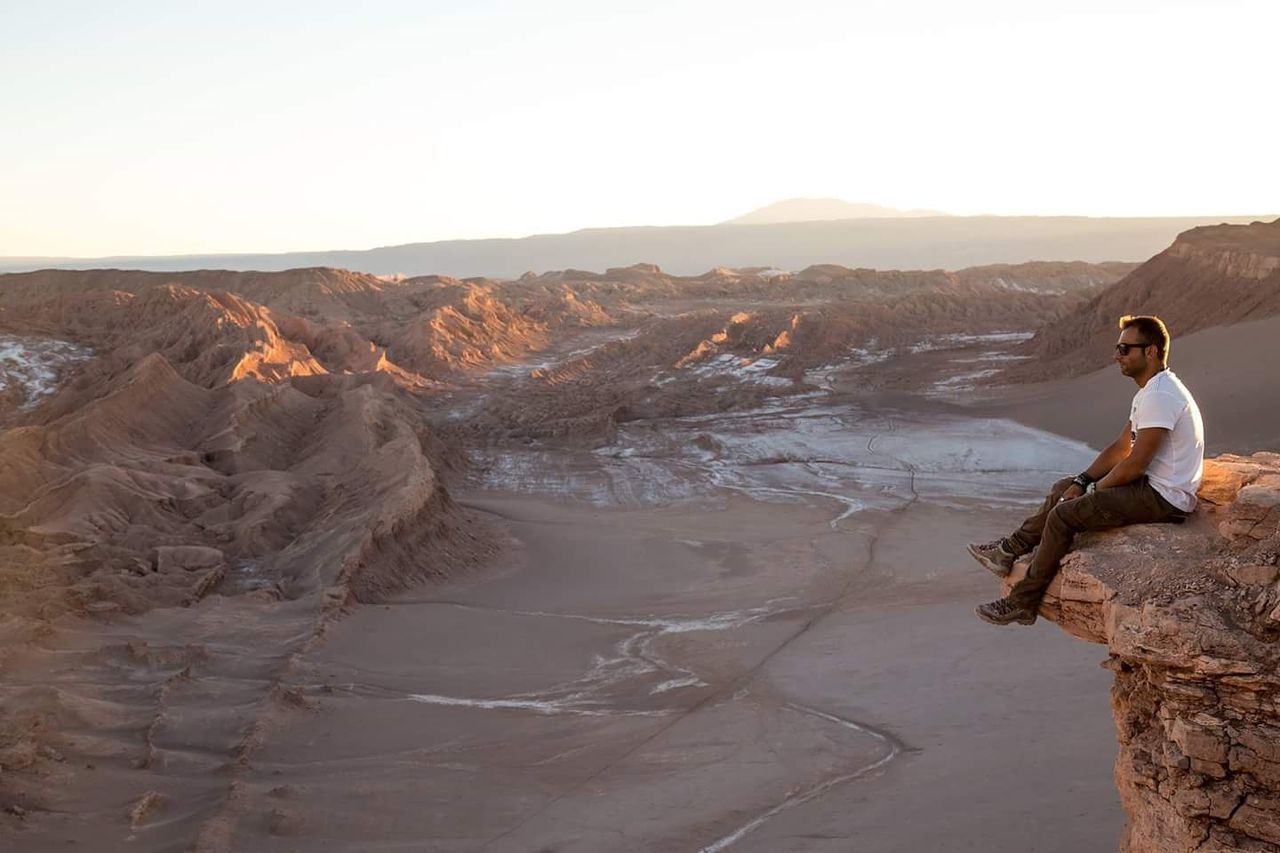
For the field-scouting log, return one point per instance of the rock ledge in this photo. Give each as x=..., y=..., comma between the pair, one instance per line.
x=1190, y=615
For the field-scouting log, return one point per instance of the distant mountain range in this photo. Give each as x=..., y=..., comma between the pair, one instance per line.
x=820, y=209
x=904, y=242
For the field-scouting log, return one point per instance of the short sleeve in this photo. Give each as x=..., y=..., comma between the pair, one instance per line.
x=1157, y=410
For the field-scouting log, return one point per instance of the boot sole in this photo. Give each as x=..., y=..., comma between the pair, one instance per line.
x=1021, y=620
x=990, y=565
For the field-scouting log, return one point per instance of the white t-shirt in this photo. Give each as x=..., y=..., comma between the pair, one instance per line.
x=1176, y=469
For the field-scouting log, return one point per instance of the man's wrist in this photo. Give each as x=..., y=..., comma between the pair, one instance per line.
x=1083, y=480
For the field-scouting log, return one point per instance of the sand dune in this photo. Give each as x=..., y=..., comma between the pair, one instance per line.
x=1230, y=370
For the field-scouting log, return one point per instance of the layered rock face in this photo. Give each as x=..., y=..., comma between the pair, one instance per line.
x=1190, y=615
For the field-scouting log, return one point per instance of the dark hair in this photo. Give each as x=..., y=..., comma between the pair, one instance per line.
x=1152, y=330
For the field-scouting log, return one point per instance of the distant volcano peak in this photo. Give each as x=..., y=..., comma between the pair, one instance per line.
x=817, y=209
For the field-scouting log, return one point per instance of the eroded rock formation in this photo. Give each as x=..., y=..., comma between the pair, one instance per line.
x=231, y=410
x=1190, y=615
x=219, y=462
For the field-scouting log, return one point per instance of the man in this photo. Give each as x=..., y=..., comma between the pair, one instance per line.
x=1149, y=474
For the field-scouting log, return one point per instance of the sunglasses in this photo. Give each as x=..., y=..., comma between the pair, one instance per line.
x=1123, y=349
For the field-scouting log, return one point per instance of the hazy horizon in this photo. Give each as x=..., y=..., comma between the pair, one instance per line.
x=159, y=130
x=14, y=263
x=900, y=243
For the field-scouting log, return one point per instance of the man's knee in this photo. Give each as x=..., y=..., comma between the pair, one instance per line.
x=1066, y=517
x=1090, y=512
x=1061, y=486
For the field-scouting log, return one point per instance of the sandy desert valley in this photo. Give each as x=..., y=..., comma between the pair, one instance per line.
x=581, y=561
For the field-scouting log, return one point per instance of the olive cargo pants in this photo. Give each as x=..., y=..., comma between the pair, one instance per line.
x=1054, y=525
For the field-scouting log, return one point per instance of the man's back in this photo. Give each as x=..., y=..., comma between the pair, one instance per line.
x=1178, y=465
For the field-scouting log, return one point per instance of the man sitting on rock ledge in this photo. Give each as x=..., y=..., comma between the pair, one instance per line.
x=1149, y=474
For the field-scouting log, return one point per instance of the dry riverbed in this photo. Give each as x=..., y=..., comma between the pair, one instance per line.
x=783, y=658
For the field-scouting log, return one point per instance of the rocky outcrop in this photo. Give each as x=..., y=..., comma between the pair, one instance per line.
x=1190, y=615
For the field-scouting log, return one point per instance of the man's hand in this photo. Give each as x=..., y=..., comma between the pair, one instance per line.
x=1073, y=491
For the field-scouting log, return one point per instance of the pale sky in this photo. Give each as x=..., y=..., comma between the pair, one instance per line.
x=191, y=127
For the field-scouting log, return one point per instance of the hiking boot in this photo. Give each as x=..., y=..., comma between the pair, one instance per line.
x=1002, y=611
x=995, y=557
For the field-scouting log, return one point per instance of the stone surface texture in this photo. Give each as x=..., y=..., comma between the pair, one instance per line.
x=1190, y=615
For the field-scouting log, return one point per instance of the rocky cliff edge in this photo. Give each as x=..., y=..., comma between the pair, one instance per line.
x=1190, y=616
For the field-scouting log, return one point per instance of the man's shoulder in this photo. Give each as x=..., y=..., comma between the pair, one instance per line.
x=1165, y=398
x=1165, y=382
x=1161, y=395
x=1163, y=389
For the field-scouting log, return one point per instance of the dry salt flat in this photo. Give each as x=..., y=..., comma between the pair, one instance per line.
x=30, y=367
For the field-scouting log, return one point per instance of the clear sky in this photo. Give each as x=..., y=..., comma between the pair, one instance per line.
x=139, y=127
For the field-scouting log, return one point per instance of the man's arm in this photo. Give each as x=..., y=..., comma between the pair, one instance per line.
x=1135, y=464
x=1111, y=456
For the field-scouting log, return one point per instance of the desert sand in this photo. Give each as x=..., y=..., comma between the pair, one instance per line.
x=736, y=677
x=1230, y=369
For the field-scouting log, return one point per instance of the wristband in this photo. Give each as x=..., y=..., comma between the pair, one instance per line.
x=1083, y=480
